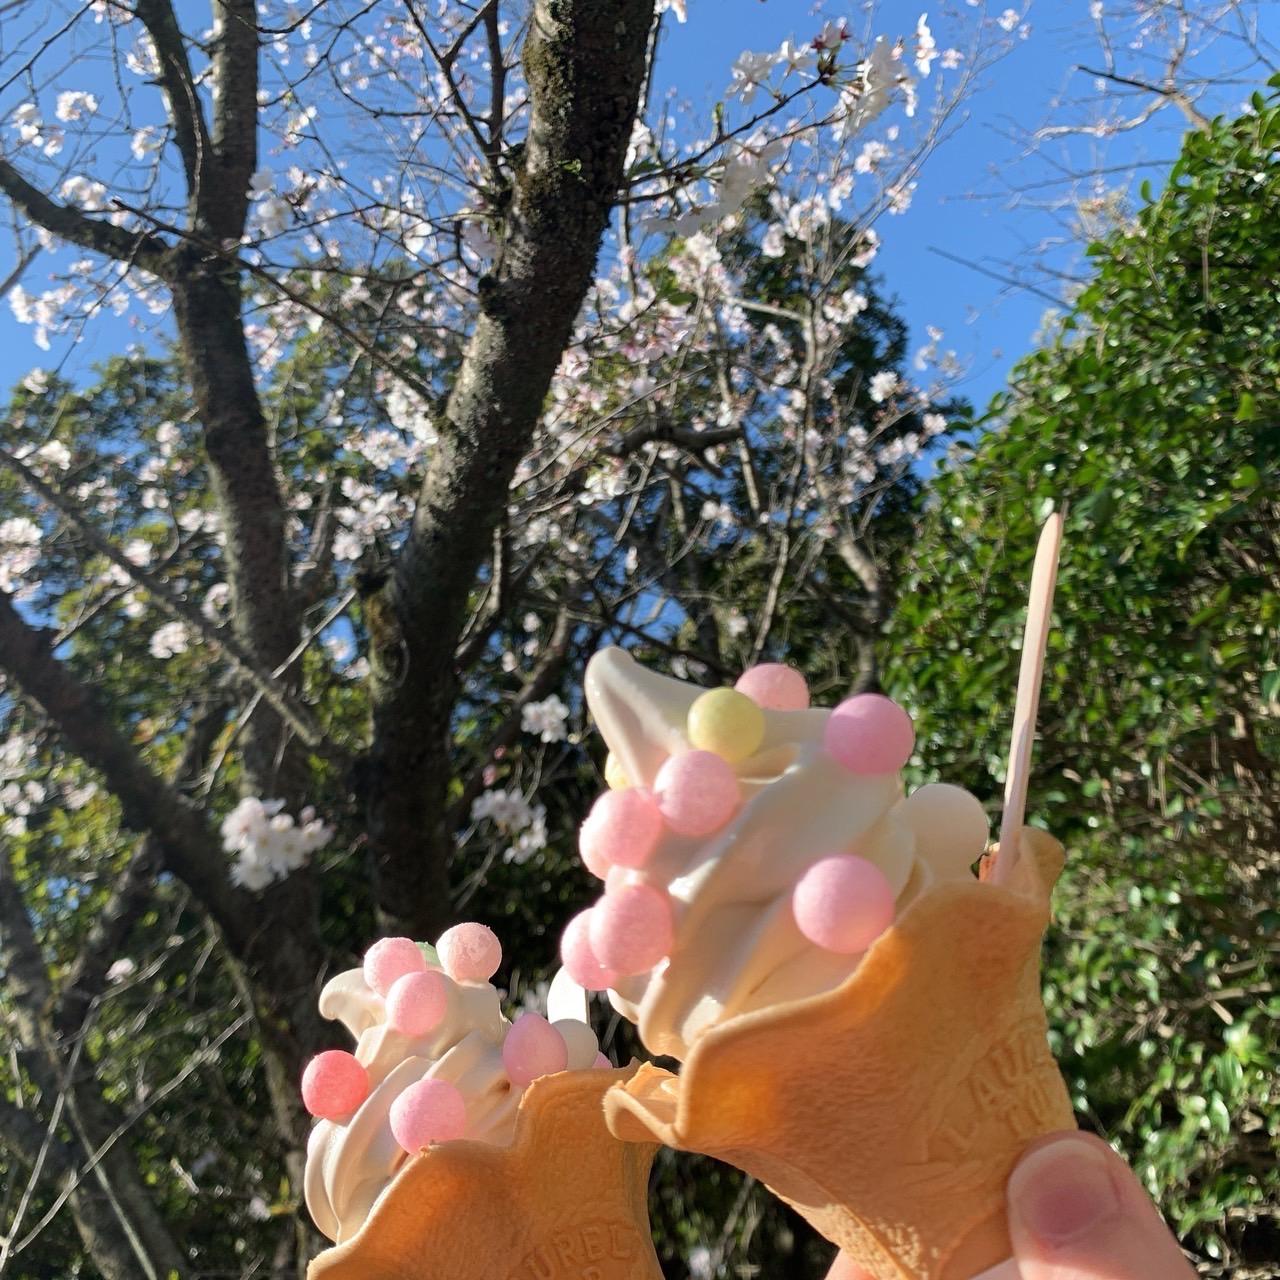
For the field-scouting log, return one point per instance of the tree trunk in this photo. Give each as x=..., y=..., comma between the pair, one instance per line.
x=246, y=490
x=584, y=63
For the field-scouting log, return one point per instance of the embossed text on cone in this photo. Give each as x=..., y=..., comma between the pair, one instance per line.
x=566, y=1201
x=890, y=1111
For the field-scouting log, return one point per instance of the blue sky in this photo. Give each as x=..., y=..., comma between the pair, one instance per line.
x=968, y=204
x=980, y=197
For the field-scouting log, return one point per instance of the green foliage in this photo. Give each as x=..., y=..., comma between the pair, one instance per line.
x=1155, y=414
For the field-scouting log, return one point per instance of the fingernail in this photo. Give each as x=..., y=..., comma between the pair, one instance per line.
x=1061, y=1192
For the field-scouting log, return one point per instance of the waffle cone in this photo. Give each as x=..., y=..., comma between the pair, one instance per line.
x=890, y=1111
x=566, y=1201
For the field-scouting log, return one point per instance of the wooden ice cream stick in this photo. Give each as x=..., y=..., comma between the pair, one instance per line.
x=1035, y=638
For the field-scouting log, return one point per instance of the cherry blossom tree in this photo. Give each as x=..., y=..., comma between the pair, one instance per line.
x=464, y=349
x=1141, y=73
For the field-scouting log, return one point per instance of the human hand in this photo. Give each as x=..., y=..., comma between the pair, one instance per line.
x=1076, y=1212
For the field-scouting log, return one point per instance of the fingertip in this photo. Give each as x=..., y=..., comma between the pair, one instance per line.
x=845, y=1269
x=1062, y=1190
x=1075, y=1208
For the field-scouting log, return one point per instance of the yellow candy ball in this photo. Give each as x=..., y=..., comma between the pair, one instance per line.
x=726, y=722
x=613, y=775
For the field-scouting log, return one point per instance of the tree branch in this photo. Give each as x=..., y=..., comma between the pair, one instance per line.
x=297, y=716
x=1180, y=99
x=246, y=489
x=19, y=270
x=140, y=247
x=665, y=431
x=272, y=935
x=584, y=65
x=125, y=1230
x=148, y=803
x=180, y=90
x=132, y=895
x=540, y=683
x=87, y=978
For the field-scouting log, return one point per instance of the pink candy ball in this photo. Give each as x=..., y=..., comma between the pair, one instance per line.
x=697, y=792
x=775, y=687
x=592, y=849
x=533, y=1048
x=602, y=1063
x=389, y=959
x=426, y=1112
x=622, y=829
x=843, y=903
x=579, y=958
x=416, y=1002
x=334, y=1085
x=631, y=929
x=870, y=733
x=469, y=952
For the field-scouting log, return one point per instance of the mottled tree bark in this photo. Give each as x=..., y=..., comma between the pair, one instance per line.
x=585, y=64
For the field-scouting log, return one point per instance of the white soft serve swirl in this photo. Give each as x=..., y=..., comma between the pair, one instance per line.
x=351, y=1162
x=737, y=947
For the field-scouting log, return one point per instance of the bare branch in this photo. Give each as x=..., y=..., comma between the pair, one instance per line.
x=181, y=93
x=87, y=978
x=148, y=803
x=130, y=1234
x=1011, y=281
x=141, y=247
x=298, y=717
x=1196, y=118
x=664, y=431
x=19, y=270
x=540, y=684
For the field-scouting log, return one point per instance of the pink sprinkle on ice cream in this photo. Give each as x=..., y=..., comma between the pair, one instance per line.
x=870, y=734
x=469, y=952
x=774, y=686
x=622, y=829
x=389, y=959
x=579, y=957
x=426, y=1112
x=533, y=1048
x=334, y=1085
x=416, y=1002
x=843, y=903
x=697, y=792
x=631, y=929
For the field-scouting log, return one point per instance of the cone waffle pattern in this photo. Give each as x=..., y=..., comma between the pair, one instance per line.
x=890, y=1111
x=566, y=1201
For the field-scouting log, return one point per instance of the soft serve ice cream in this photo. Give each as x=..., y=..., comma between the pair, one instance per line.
x=752, y=847
x=435, y=1061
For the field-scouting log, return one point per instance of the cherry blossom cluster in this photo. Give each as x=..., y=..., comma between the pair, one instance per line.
x=267, y=843
x=20, y=794
x=545, y=719
x=20, y=539
x=513, y=816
